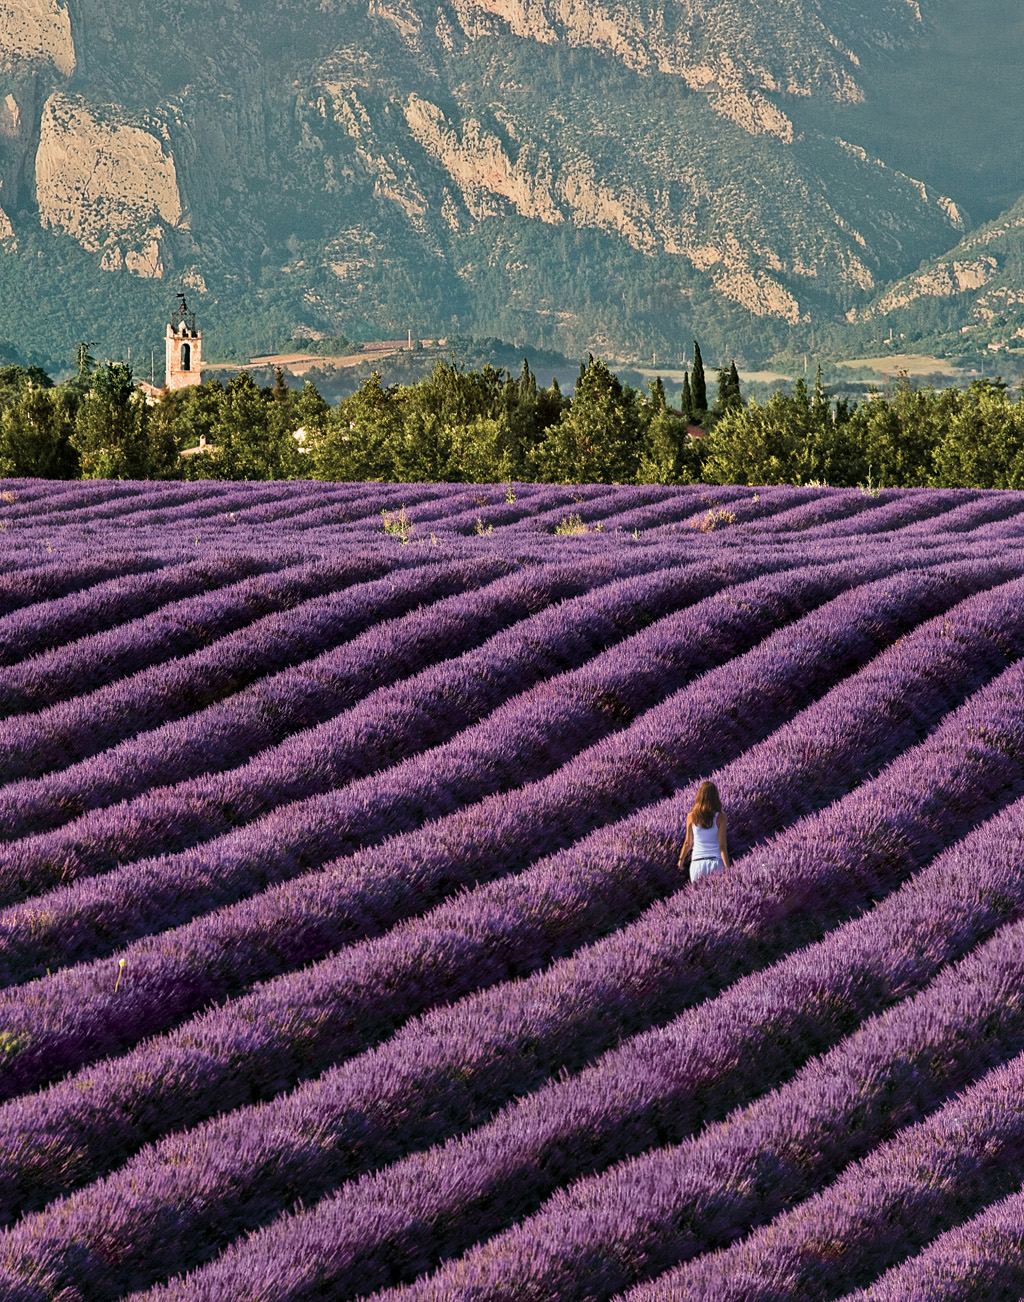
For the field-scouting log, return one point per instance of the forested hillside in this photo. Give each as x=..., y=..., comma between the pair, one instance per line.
x=573, y=173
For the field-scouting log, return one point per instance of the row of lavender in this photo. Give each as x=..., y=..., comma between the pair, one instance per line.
x=47, y=933
x=316, y=1134
x=299, y=1025
x=83, y=557
x=664, y=1084
x=63, y=735
x=415, y=508
x=326, y=907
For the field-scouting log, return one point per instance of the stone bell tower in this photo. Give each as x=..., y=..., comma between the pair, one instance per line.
x=184, y=348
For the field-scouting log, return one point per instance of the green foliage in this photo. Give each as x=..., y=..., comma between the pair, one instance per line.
x=397, y=524
x=85, y=368
x=789, y=440
x=489, y=426
x=454, y=425
x=983, y=440
x=17, y=380
x=36, y=433
x=728, y=396
x=310, y=414
x=12, y=1044
x=686, y=399
x=252, y=436
x=443, y=417
x=668, y=455
x=896, y=437
x=190, y=414
x=573, y=526
x=361, y=436
x=111, y=433
x=598, y=438
x=916, y=437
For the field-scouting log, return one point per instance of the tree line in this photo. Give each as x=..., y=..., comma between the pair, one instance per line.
x=489, y=425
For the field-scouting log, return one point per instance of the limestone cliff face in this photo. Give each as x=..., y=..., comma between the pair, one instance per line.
x=109, y=183
x=476, y=161
x=36, y=31
x=800, y=49
x=761, y=256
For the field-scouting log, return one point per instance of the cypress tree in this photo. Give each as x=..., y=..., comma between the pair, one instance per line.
x=698, y=385
x=820, y=397
x=728, y=397
x=686, y=401
x=734, y=386
x=81, y=382
x=527, y=387
x=722, y=397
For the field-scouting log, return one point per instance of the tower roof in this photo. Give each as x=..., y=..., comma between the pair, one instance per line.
x=181, y=316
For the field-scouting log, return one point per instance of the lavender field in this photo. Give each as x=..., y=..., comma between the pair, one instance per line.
x=344, y=951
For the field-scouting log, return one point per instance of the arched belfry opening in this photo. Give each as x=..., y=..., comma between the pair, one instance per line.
x=184, y=348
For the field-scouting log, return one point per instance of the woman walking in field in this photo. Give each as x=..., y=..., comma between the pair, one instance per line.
x=705, y=833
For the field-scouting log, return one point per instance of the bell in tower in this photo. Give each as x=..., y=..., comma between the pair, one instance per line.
x=184, y=348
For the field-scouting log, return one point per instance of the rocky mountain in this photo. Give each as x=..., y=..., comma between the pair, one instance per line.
x=975, y=289
x=604, y=174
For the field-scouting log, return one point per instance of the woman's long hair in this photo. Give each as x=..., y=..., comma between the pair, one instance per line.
x=706, y=805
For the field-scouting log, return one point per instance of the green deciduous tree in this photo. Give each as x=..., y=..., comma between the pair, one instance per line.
x=252, y=435
x=437, y=415
x=896, y=436
x=17, y=380
x=361, y=435
x=791, y=439
x=310, y=415
x=36, y=435
x=598, y=439
x=982, y=442
x=112, y=435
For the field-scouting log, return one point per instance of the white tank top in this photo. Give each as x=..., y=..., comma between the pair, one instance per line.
x=705, y=841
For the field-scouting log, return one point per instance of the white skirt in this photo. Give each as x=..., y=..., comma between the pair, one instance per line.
x=701, y=867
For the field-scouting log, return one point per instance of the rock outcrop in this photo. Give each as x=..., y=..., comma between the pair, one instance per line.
x=108, y=182
x=36, y=31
